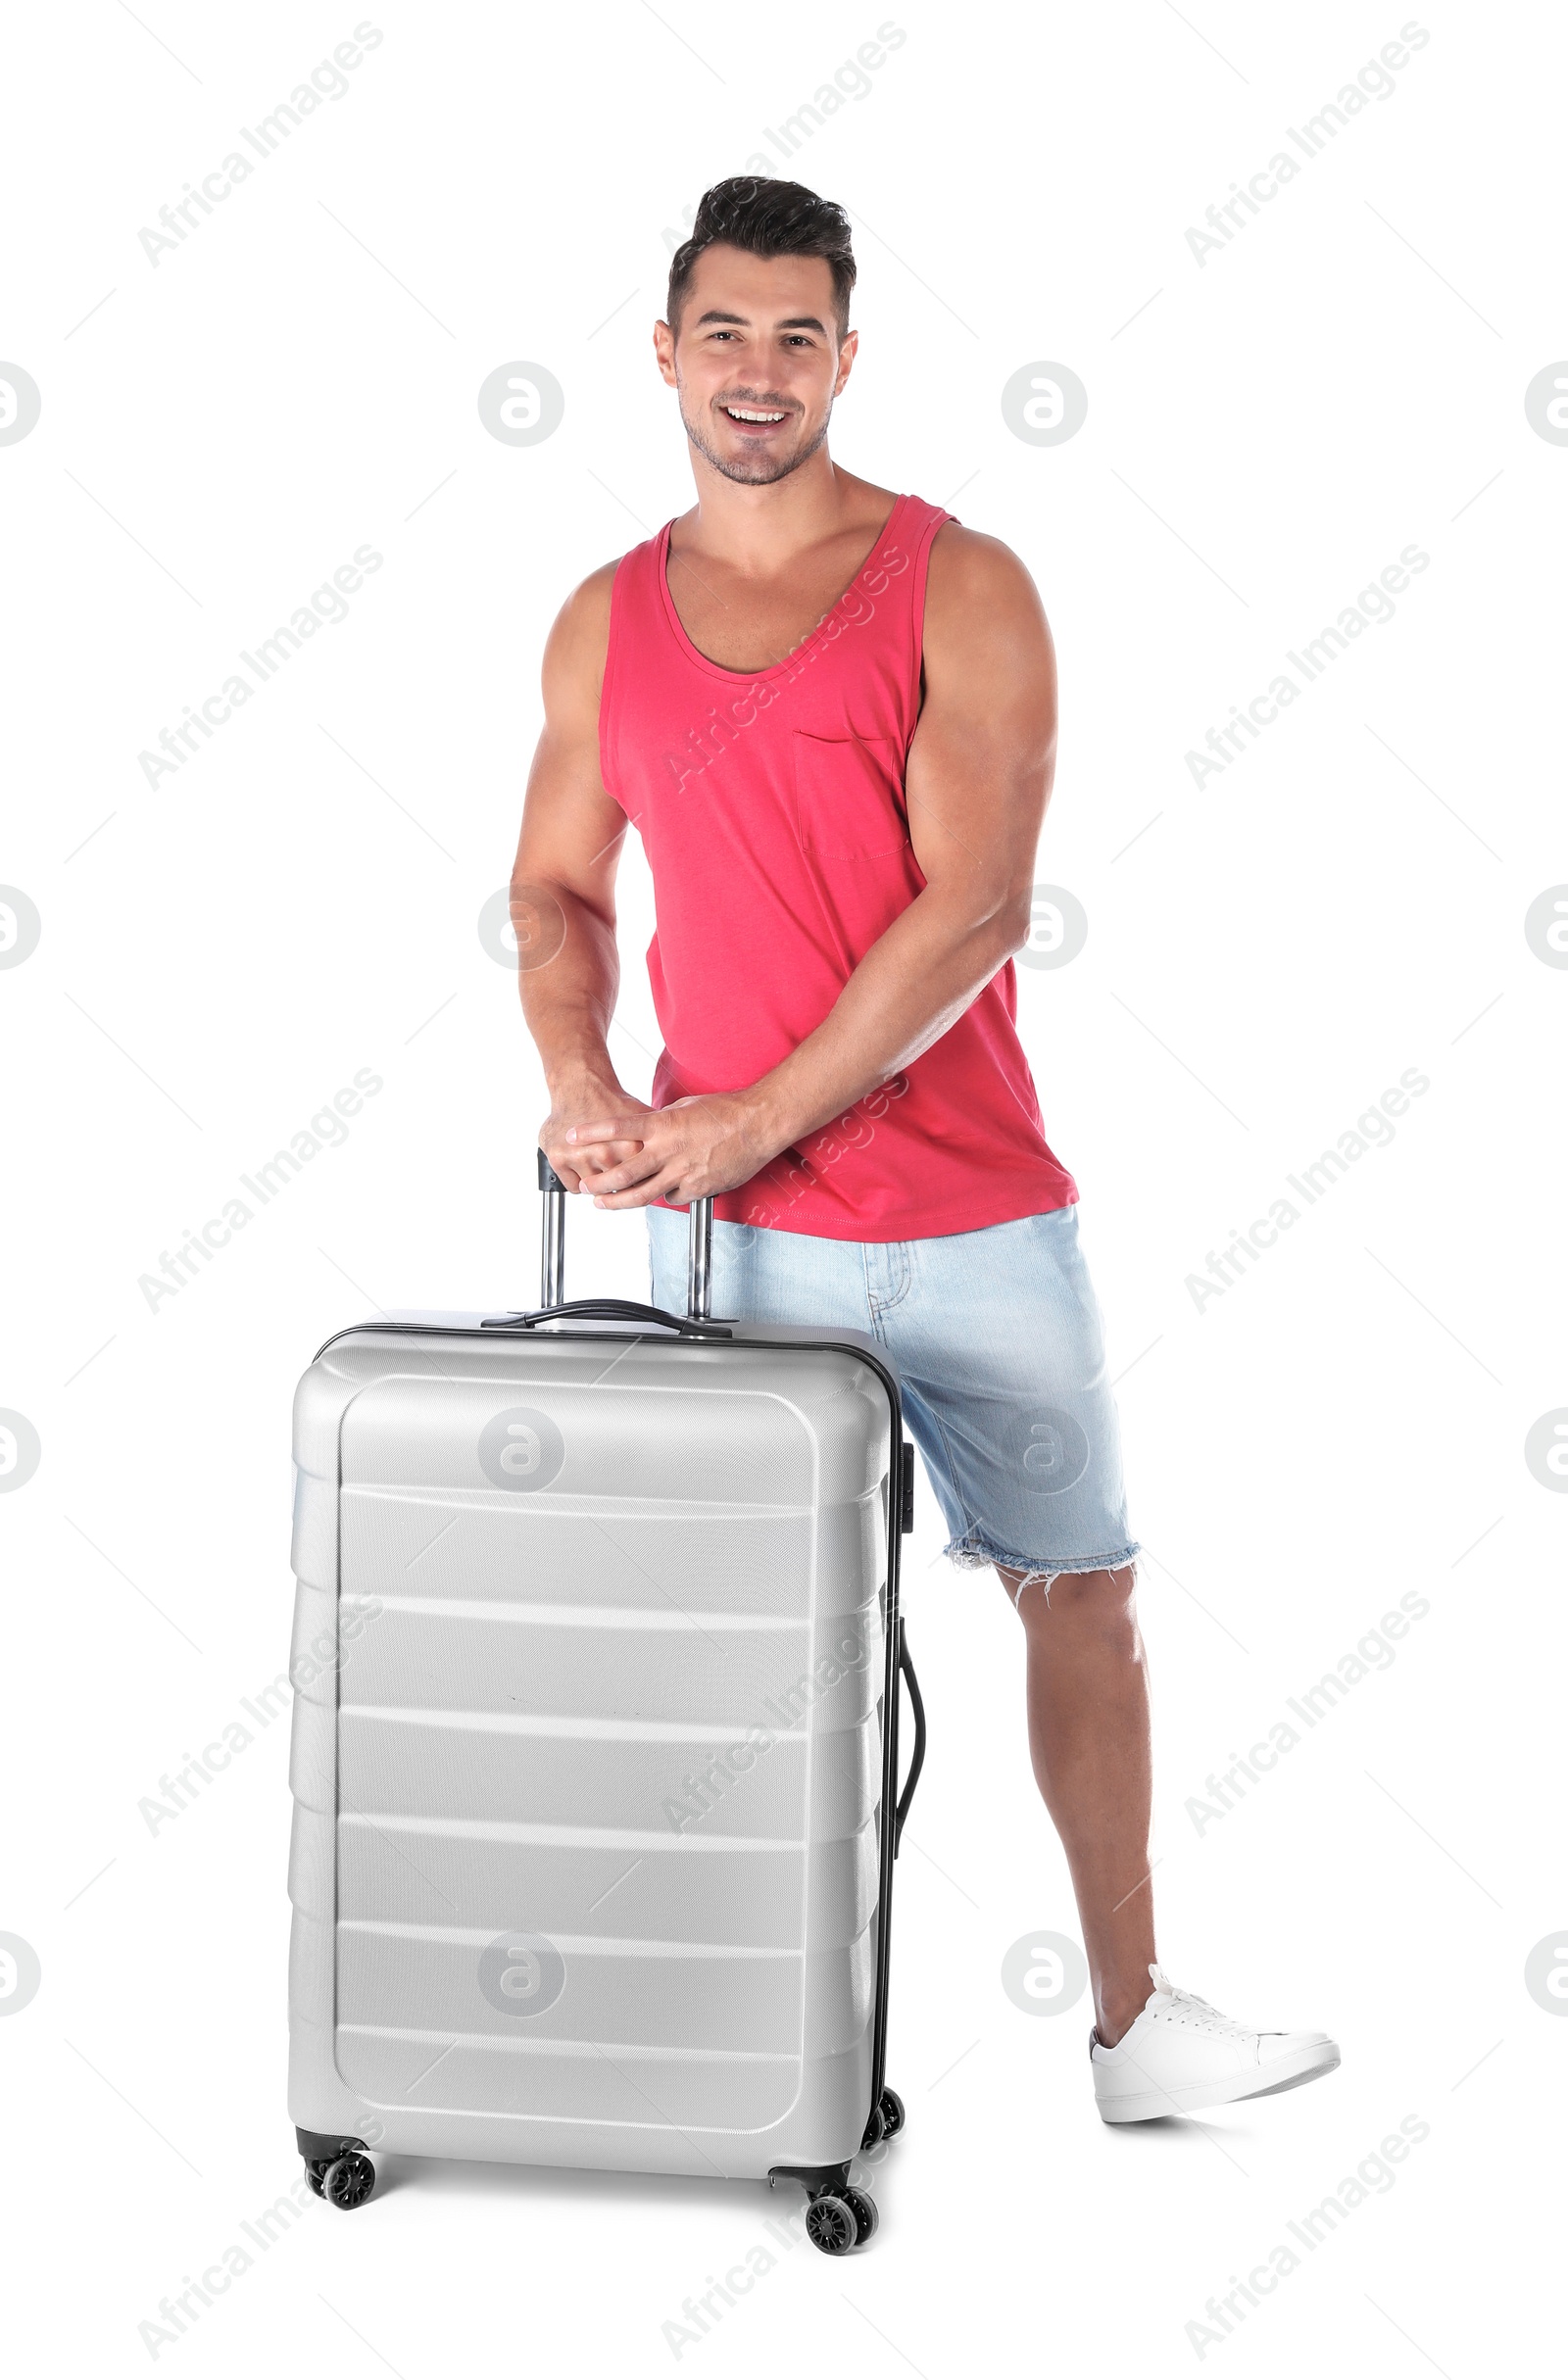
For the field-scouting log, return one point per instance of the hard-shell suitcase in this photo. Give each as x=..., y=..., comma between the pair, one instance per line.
x=597, y=1658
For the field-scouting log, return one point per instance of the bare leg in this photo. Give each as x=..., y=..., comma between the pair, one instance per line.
x=1088, y=1693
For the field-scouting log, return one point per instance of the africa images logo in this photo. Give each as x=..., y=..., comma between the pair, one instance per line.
x=521, y=1448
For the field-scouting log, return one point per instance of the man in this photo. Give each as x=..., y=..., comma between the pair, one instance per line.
x=830, y=712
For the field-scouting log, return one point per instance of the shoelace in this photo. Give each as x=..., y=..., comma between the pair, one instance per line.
x=1186, y=2008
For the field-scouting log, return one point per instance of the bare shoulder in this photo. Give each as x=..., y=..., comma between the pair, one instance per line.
x=985, y=630
x=584, y=616
x=580, y=639
x=968, y=568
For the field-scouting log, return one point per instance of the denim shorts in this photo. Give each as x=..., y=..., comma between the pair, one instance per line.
x=998, y=1346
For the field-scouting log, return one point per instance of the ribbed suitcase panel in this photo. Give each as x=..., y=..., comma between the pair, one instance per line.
x=654, y=1888
x=728, y=1674
x=685, y=2009
x=652, y=1995
x=657, y=1555
x=608, y=2084
x=316, y=1530
x=617, y=1436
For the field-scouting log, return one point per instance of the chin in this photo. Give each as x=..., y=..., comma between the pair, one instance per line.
x=755, y=470
x=752, y=469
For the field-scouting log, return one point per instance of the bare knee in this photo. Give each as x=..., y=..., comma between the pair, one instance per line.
x=1095, y=1602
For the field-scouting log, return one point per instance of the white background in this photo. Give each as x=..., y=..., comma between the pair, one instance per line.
x=220, y=953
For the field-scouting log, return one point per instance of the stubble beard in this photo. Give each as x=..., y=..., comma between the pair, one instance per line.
x=764, y=470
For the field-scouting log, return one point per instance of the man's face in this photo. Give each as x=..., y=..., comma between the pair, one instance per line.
x=758, y=361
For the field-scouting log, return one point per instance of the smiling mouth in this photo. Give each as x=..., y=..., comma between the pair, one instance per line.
x=752, y=416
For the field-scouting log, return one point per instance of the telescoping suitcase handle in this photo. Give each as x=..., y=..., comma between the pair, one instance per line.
x=695, y=1323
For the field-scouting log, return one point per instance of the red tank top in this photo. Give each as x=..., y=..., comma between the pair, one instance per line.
x=770, y=803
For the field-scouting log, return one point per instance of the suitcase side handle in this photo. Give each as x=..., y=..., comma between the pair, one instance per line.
x=918, y=1762
x=553, y=1252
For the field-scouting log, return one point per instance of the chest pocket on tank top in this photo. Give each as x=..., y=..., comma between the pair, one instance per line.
x=847, y=797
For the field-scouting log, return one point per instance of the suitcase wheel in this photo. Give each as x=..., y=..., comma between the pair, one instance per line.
x=885, y=2122
x=347, y=2181
x=315, y=2174
x=863, y=2209
x=837, y=2220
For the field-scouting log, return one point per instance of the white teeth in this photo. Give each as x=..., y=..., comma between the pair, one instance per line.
x=741, y=412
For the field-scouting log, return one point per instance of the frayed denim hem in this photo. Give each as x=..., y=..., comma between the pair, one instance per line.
x=973, y=1553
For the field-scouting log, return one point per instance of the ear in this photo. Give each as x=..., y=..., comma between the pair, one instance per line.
x=847, y=355
x=664, y=353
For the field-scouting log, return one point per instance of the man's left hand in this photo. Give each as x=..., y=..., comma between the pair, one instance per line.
x=691, y=1149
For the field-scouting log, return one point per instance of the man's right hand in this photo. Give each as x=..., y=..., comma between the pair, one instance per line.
x=586, y=1101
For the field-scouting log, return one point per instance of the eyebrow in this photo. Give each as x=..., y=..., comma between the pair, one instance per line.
x=804, y=321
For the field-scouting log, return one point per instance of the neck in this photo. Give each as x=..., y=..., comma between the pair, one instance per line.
x=761, y=528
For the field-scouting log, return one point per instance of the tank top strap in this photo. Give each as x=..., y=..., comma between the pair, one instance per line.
x=905, y=545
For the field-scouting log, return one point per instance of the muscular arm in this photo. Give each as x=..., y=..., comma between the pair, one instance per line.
x=562, y=891
x=978, y=782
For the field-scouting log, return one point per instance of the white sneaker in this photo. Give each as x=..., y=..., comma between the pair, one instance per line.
x=1179, y=2053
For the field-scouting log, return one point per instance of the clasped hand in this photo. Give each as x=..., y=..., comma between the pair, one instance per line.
x=693, y=1148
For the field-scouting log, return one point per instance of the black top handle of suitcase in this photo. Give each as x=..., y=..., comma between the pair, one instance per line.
x=695, y=1323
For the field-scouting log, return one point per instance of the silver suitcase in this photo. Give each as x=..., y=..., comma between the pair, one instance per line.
x=597, y=1657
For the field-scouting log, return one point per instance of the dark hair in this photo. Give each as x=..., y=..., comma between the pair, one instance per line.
x=767, y=219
